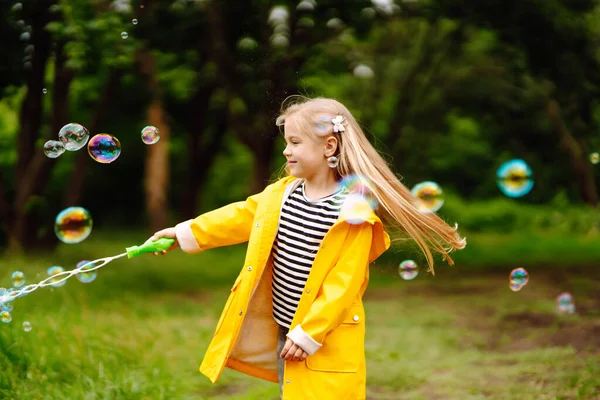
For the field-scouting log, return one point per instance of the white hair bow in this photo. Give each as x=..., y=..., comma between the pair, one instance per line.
x=338, y=124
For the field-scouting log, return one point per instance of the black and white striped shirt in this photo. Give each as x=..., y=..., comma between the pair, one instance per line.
x=303, y=224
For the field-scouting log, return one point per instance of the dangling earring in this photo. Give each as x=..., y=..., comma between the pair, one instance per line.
x=332, y=162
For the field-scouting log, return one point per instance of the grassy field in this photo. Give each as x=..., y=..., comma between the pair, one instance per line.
x=139, y=331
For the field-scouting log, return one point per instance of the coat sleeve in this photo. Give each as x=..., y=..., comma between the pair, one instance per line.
x=340, y=287
x=228, y=225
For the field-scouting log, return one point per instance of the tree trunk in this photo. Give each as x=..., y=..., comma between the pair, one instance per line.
x=33, y=179
x=202, y=151
x=583, y=174
x=156, y=172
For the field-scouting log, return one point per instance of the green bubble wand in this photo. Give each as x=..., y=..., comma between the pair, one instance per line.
x=149, y=246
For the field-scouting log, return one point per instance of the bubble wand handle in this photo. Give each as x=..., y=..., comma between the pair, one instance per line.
x=150, y=246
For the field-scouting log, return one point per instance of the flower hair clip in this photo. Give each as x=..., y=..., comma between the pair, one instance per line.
x=338, y=124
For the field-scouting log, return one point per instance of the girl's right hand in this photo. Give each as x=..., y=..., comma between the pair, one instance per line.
x=166, y=233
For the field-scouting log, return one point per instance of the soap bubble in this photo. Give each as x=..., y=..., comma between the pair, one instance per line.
x=430, y=197
x=354, y=184
x=150, y=135
x=363, y=71
x=594, y=158
x=565, y=303
x=356, y=209
x=27, y=326
x=73, y=225
x=57, y=273
x=44, y=90
x=133, y=21
x=53, y=148
x=73, y=136
x=5, y=305
x=104, y=148
x=18, y=279
x=124, y=35
x=408, y=270
x=86, y=276
x=515, y=178
x=6, y=317
x=519, y=277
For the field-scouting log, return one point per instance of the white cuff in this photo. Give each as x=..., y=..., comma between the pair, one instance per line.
x=186, y=238
x=303, y=340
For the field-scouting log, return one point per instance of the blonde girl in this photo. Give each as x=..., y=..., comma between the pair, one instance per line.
x=295, y=314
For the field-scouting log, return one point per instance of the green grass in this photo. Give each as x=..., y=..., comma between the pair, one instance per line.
x=139, y=331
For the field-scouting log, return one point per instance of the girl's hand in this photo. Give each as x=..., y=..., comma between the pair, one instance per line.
x=293, y=352
x=166, y=233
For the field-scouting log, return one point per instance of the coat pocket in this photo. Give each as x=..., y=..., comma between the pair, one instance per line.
x=228, y=304
x=343, y=348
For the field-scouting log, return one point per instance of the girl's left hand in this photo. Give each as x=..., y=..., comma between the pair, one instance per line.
x=293, y=352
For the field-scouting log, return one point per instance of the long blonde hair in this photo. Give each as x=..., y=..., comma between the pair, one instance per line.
x=358, y=157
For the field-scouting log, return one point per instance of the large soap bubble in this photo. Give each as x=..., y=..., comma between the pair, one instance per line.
x=73, y=136
x=430, y=197
x=515, y=178
x=104, y=148
x=73, y=225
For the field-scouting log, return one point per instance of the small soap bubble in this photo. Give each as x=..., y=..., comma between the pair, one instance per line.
x=515, y=178
x=595, y=158
x=150, y=135
x=53, y=148
x=17, y=7
x=104, y=148
x=5, y=305
x=25, y=36
x=18, y=279
x=133, y=21
x=27, y=326
x=565, y=303
x=57, y=272
x=73, y=136
x=519, y=276
x=124, y=35
x=73, y=225
x=430, y=197
x=44, y=90
x=6, y=317
x=408, y=270
x=363, y=71
x=86, y=276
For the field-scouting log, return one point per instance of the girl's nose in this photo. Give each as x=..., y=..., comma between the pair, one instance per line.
x=286, y=152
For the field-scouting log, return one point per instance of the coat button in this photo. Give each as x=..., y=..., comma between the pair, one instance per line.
x=307, y=290
x=322, y=246
x=258, y=224
x=356, y=318
x=249, y=268
x=241, y=313
x=288, y=381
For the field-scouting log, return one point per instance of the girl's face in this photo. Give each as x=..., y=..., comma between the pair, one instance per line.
x=306, y=156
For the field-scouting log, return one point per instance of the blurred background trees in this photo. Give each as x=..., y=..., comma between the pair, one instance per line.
x=447, y=89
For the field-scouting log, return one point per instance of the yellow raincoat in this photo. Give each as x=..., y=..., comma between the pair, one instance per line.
x=330, y=312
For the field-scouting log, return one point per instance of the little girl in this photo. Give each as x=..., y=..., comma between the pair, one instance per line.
x=295, y=313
